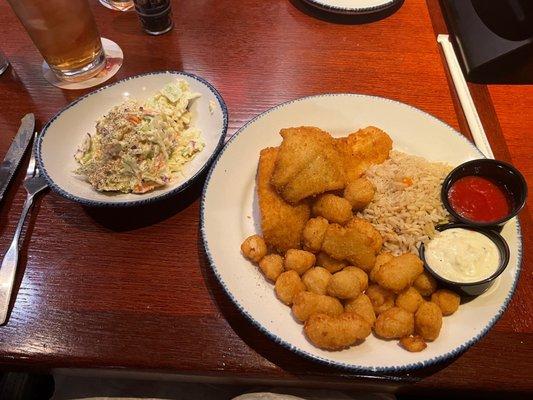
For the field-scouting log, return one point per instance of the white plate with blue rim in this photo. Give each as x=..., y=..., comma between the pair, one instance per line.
x=353, y=7
x=229, y=210
x=61, y=137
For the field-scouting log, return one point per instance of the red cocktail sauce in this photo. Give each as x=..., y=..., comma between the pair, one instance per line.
x=479, y=199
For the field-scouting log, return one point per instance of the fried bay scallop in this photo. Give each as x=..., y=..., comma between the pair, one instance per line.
x=336, y=332
x=394, y=323
x=308, y=163
x=349, y=244
x=363, y=306
x=399, y=273
x=306, y=304
x=313, y=234
x=282, y=223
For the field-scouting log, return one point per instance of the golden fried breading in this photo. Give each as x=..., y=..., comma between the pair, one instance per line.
x=425, y=284
x=363, y=148
x=361, y=275
x=447, y=301
x=359, y=193
x=332, y=265
x=366, y=228
x=282, y=223
x=254, y=248
x=298, y=260
x=382, y=299
x=336, y=332
x=428, y=320
x=316, y=280
x=333, y=208
x=381, y=259
x=306, y=304
x=288, y=285
x=345, y=284
x=349, y=244
x=272, y=266
x=399, y=273
x=410, y=299
x=363, y=306
x=313, y=234
x=394, y=323
x=308, y=163
x=413, y=344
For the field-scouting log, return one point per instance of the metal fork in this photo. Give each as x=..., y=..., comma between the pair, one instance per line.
x=33, y=183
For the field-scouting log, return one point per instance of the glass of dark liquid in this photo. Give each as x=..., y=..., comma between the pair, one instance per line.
x=155, y=15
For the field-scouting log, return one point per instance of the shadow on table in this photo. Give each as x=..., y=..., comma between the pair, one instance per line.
x=131, y=218
x=285, y=359
x=345, y=19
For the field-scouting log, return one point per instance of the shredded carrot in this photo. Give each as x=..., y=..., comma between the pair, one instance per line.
x=407, y=181
x=133, y=119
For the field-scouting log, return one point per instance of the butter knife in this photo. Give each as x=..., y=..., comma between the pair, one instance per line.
x=16, y=152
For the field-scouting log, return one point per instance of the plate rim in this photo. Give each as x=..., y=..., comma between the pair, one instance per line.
x=99, y=203
x=351, y=10
x=321, y=360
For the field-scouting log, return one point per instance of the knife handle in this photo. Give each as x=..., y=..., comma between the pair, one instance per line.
x=8, y=268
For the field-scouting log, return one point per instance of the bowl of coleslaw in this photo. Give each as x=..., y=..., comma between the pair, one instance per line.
x=136, y=141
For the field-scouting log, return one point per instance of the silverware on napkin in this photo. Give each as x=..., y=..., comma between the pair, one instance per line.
x=16, y=151
x=34, y=183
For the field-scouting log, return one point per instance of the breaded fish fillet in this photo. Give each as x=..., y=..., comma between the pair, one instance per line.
x=363, y=148
x=308, y=163
x=282, y=223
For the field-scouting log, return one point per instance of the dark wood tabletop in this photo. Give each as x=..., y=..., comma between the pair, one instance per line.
x=132, y=290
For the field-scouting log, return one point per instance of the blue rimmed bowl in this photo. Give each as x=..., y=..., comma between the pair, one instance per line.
x=353, y=7
x=63, y=134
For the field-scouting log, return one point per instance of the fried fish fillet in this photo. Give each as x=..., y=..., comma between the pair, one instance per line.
x=308, y=163
x=363, y=148
x=282, y=223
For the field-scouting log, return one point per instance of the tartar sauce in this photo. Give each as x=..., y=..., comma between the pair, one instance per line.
x=462, y=255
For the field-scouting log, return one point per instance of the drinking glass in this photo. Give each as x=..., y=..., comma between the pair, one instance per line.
x=120, y=5
x=155, y=15
x=3, y=63
x=65, y=33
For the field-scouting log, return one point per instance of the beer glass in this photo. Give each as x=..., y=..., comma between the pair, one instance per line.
x=120, y=5
x=65, y=34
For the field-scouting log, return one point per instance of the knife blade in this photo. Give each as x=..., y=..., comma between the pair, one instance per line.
x=16, y=151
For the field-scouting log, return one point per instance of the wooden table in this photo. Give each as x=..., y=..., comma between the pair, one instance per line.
x=131, y=290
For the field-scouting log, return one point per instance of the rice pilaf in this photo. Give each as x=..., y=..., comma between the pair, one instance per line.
x=407, y=203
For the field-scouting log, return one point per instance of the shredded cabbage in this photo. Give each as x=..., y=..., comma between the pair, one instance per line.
x=142, y=145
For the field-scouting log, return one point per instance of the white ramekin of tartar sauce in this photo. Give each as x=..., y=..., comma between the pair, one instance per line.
x=466, y=258
x=462, y=255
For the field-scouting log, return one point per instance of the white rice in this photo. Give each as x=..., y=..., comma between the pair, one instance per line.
x=404, y=214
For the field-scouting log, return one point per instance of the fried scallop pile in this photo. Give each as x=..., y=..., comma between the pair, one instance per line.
x=325, y=263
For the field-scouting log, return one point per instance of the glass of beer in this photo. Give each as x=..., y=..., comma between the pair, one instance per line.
x=120, y=5
x=65, y=34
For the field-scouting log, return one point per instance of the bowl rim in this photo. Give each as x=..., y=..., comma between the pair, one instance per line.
x=495, y=237
x=352, y=10
x=449, y=180
x=141, y=201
